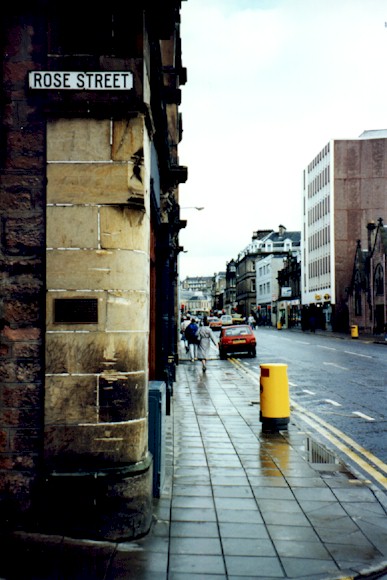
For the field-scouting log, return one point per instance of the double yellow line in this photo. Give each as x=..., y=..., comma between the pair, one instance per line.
x=371, y=465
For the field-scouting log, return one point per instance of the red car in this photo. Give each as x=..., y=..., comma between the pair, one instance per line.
x=237, y=339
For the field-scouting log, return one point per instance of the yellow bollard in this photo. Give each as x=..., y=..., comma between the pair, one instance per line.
x=354, y=331
x=274, y=397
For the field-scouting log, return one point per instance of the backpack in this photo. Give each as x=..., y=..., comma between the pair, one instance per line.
x=191, y=332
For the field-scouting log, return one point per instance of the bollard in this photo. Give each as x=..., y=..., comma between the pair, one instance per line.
x=354, y=331
x=274, y=397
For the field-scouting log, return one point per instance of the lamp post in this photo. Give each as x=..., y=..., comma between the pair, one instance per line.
x=370, y=291
x=193, y=207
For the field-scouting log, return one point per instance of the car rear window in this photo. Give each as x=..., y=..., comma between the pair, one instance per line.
x=236, y=331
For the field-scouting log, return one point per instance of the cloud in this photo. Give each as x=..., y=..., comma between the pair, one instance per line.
x=269, y=84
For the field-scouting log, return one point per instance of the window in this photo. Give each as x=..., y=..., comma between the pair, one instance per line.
x=379, y=280
x=358, y=308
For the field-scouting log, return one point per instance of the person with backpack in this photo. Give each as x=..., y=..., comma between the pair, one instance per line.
x=191, y=335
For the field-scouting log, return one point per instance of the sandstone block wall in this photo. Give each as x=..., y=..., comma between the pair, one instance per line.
x=98, y=250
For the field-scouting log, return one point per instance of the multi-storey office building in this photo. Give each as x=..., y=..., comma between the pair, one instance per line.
x=89, y=176
x=344, y=189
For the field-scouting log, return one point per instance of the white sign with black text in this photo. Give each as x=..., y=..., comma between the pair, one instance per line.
x=81, y=81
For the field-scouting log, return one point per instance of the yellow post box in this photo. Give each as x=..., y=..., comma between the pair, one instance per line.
x=274, y=397
x=354, y=331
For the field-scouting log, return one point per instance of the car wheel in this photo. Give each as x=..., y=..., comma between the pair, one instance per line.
x=253, y=352
x=222, y=355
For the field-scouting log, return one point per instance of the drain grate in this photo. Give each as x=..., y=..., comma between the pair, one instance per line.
x=317, y=453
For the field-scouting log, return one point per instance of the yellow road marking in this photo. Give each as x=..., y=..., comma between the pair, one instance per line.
x=324, y=429
x=337, y=437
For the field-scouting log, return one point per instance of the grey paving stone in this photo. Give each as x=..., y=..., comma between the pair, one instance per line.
x=248, y=547
x=194, y=529
x=198, y=564
x=242, y=530
x=266, y=566
x=207, y=546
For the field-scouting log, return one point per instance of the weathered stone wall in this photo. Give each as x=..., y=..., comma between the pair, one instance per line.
x=98, y=248
x=78, y=192
x=22, y=265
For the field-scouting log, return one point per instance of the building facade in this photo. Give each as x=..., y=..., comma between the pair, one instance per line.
x=246, y=298
x=230, y=287
x=217, y=291
x=89, y=243
x=289, y=291
x=367, y=293
x=343, y=190
x=273, y=251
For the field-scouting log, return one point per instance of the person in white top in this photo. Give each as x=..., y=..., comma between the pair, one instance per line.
x=183, y=326
x=206, y=336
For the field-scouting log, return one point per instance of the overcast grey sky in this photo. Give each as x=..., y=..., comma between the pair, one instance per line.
x=270, y=82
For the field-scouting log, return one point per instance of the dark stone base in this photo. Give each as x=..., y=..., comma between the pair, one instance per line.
x=108, y=504
x=270, y=425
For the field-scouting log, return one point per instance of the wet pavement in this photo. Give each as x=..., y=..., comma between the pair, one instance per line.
x=237, y=503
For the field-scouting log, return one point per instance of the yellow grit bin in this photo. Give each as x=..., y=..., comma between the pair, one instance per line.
x=274, y=397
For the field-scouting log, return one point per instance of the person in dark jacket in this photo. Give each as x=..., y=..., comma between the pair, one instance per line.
x=191, y=335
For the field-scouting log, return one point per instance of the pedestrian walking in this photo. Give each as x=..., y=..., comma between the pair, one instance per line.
x=206, y=336
x=251, y=321
x=183, y=327
x=191, y=335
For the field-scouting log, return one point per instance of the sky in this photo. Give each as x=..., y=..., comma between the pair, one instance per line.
x=270, y=82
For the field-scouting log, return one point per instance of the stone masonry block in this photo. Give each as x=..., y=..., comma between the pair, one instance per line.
x=124, y=228
x=96, y=444
x=72, y=227
x=97, y=270
x=127, y=311
x=17, y=311
x=70, y=400
x=121, y=398
x=96, y=352
x=78, y=140
x=128, y=139
x=23, y=236
x=20, y=395
x=98, y=183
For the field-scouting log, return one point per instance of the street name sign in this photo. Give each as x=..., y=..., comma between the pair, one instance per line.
x=81, y=81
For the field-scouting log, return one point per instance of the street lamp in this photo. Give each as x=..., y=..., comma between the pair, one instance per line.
x=193, y=207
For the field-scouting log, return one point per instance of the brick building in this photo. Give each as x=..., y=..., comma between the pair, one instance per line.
x=89, y=176
x=344, y=189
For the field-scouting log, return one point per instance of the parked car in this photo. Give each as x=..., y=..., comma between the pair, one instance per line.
x=226, y=320
x=238, y=319
x=237, y=339
x=214, y=322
